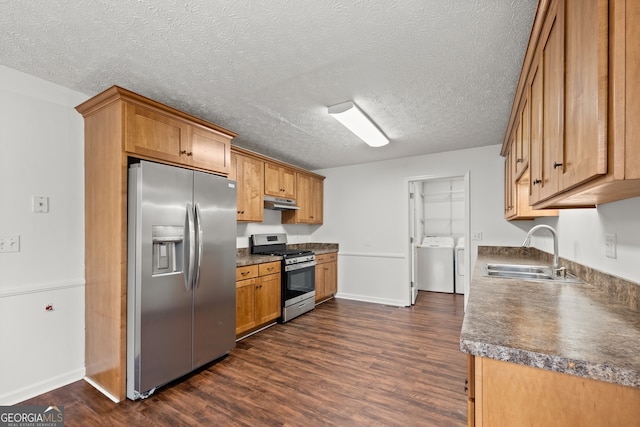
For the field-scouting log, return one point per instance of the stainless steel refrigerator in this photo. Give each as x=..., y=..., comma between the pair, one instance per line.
x=181, y=273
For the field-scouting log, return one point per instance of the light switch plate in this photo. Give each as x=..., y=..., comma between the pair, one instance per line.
x=477, y=236
x=610, y=245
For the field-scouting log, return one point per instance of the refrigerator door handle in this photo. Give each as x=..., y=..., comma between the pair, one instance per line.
x=198, y=242
x=189, y=247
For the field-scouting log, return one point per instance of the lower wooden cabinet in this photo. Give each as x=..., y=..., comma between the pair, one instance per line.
x=257, y=296
x=507, y=394
x=326, y=276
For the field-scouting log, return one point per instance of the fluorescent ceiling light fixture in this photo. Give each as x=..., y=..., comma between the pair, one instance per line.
x=357, y=122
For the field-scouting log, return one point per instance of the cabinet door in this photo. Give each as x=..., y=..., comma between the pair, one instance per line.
x=250, y=185
x=317, y=198
x=509, y=189
x=156, y=135
x=331, y=278
x=553, y=99
x=320, y=282
x=210, y=150
x=267, y=298
x=584, y=155
x=279, y=181
x=523, y=136
x=630, y=115
x=309, y=191
x=245, y=305
x=288, y=182
x=536, y=104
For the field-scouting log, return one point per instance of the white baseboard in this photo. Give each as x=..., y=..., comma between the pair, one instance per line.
x=37, y=389
x=366, y=298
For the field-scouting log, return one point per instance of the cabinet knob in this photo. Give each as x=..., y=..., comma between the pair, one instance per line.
x=556, y=165
x=182, y=152
x=519, y=160
x=537, y=181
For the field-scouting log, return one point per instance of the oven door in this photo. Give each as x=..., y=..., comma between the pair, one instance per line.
x=298, y=283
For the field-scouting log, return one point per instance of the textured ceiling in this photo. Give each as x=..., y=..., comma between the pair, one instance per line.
x=435, y=75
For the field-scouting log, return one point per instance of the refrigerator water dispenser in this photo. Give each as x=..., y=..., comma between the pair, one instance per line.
x=167, y=249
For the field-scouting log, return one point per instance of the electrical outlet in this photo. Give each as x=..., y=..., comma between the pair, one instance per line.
x=610, y=245
x=477, y=235
x=10, y=243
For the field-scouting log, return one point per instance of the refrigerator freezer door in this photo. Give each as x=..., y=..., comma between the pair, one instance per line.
x=159, y=306
x=214, y=292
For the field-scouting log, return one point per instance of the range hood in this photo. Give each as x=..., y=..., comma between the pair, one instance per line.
x=279, y=203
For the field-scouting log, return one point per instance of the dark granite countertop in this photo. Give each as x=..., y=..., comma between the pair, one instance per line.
x=244, y=258
x=582, y=329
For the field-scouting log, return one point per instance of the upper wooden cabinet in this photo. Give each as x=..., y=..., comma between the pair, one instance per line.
x=309, y=191
x=156, y=132
x=249, y=175
x=582, y=71
x=299, y=184
x=279, y=181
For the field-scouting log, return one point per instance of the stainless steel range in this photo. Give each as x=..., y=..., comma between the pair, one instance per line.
x=298, y=273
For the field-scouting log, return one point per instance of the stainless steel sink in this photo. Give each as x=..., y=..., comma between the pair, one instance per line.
x=526, y=272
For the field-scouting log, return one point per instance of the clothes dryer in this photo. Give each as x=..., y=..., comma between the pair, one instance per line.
x=434, y=259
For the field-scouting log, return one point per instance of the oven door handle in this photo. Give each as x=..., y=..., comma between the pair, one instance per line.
x=300, y=266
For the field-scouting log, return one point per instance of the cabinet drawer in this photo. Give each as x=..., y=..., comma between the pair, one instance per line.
x=321, y=259
x=269, y=268
x=246, y=272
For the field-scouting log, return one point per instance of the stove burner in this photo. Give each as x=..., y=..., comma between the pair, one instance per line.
x=291, y=253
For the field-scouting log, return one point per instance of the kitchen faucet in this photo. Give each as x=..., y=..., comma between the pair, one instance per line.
x=557, y=270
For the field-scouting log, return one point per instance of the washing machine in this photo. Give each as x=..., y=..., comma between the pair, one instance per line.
x=434, y=264
x=459, y=266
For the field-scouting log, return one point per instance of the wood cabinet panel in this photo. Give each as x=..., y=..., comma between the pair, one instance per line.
x=584, y=149
x=628, y=101
x=245, y=305
x=310, y=195
x=258, y=300
x=210, y=150
x=269, y=268
x=552, y=99
x=279, y=181
x=157, y=135
x=249, y=175
x=541, y=397
x=247, y=272
x=326, y=276
x=268, y=303
x=150, y=133
x=535, y=162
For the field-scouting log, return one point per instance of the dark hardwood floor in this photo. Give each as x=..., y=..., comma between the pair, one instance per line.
x=346, y=363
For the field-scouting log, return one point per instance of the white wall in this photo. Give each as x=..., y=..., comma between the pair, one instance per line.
x=296, y=233
x=366, y=212
x=41, y=140
x=581, y=237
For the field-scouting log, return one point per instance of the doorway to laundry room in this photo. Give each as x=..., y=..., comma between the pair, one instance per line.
x=438, y=235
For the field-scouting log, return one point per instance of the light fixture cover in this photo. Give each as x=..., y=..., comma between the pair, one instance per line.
x=357, y=122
